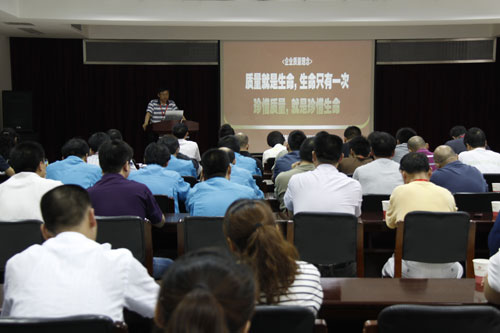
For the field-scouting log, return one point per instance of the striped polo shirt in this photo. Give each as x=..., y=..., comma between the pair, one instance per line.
x=158, y=111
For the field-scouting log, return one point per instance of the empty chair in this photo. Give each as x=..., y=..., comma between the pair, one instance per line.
x=195, y=232
x=435, y=237
x=373, y=202
x=332, y=241
x=289, y=319
x=491, y=178
x=74, y=324
x=475, y=202
x=167, y=205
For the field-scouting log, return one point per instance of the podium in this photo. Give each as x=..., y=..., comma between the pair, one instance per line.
x=165, y=127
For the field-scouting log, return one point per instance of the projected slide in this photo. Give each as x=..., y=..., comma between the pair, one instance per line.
x=311, y=86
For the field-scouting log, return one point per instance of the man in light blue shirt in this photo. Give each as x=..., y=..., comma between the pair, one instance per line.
x=248, y=163
x=74, y=169
x=183, y=167
x=215, y=193
x=157, y=178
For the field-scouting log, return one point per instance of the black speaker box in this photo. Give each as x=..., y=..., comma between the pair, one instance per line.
x=18, y=110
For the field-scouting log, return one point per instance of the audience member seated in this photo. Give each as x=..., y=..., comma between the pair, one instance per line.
x=418, y=193
x=74, y=169
x=115, y=134
x=275, y=140
x=486, y=161
x=114, y=194
x=225, y=130
x=183, y=167
x=417, y=144
x=457, y=143
x=70, y=274
x=248, y=163
x=324, y=189
x=284, y=163
x=206, y=291
x=95, y=141
x=240, y=175
x=382, y=175
x=186, y=147
x=350, y=133
x=20, y=194
x=494, y=237
x=244, y=146
x=215, y=193
x=454, y=175
x=282, y=278
x=402, y=136
x=492, y=280
x=359, y=155
x=157, y=178
x=305, y=164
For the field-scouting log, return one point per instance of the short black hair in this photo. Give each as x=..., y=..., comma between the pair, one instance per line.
x=97, y=139
x=114, y=134
x=230, y=153
x=351, y=132
x=75, y=147
x=306, y=149
x=26, y=156
x=64, y=207
x=179, y=130
x=404, y=134
x=225, y=129
x=383, y=144
x=113, y=155
x=156, y=153
x=162, y=89
x=414, y=162
x=475, y=137
x=231, y=142
x=328, y=148
x=275, y=137
x=457, y=131
x=360, y=145
x=295, y=139
x=215, y=163
x=170, y=141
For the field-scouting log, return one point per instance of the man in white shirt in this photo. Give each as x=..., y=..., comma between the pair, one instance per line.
x=486, y=161
x=95, y=141
x=275, y=140
x=186, y=147
x=20, y=195
x=382, y=175
x=71, y=274
x=324, y=189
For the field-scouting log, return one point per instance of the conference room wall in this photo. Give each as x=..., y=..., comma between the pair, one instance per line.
x=5, y=82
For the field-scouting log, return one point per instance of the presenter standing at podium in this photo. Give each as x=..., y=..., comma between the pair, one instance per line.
x=158, y=108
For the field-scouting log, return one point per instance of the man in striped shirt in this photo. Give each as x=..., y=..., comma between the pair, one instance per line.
x=157, y=108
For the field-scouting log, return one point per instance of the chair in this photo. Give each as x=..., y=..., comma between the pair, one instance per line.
x=129, y=232
x=490, y=179
x=435, y=237
x=195, y=232
x=167, y=205
x=328, y=238
x=74, y=324
x=276, y=318
x=373, y=202
x=15, y=237
x=269, y=164
x=262, y=186
x=476, y=202
x=191, y=180
x=432, y=319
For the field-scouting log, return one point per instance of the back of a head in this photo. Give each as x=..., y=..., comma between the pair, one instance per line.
x=64, y=207
x=444, y=153
x=457, y=131
x=475, y=138
x=416, y=142
x=179, y=130
x=97, y=139
x=351, y=132
x=306, y=149
x=229, y=152
x=231, y=142
x=26, y=156
x=114, y=134
x=242, y=139
x=360, y=145
x=75, y=147
x=250, y=226
x=295, y=139
x=404, y=134
x=383, y=144
x=156, y=153
x=170, y=141
x=113, y=155
x=328, y=148
x=215, y=163
x=225, y=129
x=275, y=137
x=206, y=291
x=413, y=163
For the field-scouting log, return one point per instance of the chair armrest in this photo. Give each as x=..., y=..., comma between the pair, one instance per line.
x=320, y=326
x=371, y=326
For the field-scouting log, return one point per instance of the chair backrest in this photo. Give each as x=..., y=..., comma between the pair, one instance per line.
x=191, y=180
x=373, y=202
x=328, y=238
x=476, y=202
x=269, y=164
x=167, y=205
x=74, y=324
x=435, y=237
x=432, y=319
x=281, y=318
x=129, y=232
x=195, y=232
x=15, y=237
x=491, y=178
